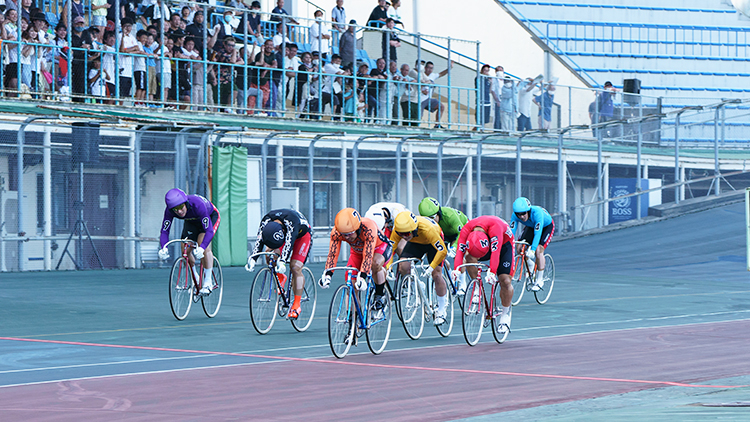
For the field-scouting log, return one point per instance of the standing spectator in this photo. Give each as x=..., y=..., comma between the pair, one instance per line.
x=394, y=92
x=544, y=102
x=186, y=13
x=11, y=32
x=140, y=73
x=496, y=90
x=227, y=74
x=26, y=10
x=338, y=15
x=332, y=89
x=320, y=35
x=508, y=105
x=150, y=47
x=195, y=30
x=427, y=102
x=97, y=79
x=28, y=59
x=279, y=10
x=525, y=98
x=305, y=79
x=108, y=64
x=350, y=101
x=348, y=45
x=81, y=42
x=164, y=66
x=483, y=84
x=99, y=14
x=606, y=108
x=244, y=91
x=290, y=63
x=390, y=41
x=76, y=10
x=379, y=15
x=253, y=22
x=265, y=60
x=378, y=88
x=39, y=21
x=128, y=45
x=409, y=98
x=59, y=42
x=228, y=25
x=393, y=12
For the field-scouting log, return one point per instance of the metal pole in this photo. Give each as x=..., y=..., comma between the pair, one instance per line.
x=599, y=185
x=638, y=174
x=355, y=166
x=47, y=157
x=717, y=189
x=310, y=171
x=518, y=166
x=677, y=158
x=560, y=178
x=469, y=183
x=398, y=170
x=449, y=94
x=264, y=169
x=409, y=177
x=479, y=175
x=480, y=114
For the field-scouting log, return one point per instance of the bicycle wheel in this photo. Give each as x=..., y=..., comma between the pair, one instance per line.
x=472, y=318
x=263, y=301
x=378, y=324
x=412, y=307
x=542, y=296
x=212, y=302
x=180, y=288
x=445, y=328
x=452, y=286
x=497, y=309
x=340, y=324
x=518, y=281
x=308, y=302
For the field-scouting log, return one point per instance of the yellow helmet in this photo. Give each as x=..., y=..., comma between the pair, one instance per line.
x=405, y=222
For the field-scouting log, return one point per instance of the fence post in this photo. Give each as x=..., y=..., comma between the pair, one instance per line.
x=677, y=158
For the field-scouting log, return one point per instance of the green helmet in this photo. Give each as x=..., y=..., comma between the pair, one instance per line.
x=429, y=207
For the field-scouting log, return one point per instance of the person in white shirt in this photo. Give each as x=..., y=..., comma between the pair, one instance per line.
x=129, y=45
x=97, y=79
x=108, y=63
x=291, y=63
x=338, y=15
x=332, y=90
x=320, y=35
x=279, y=38
x=428, y=103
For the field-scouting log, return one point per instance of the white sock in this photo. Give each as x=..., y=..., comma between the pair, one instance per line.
x=462, y=281
x=208, y=276
x=539, y=276
x=506, y=310
x=442, y=302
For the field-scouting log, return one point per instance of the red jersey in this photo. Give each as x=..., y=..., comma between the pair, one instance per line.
x=498, y=231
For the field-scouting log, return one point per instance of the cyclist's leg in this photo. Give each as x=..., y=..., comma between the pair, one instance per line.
x=191, y=230
x=504, y=270
x=300, y=250
x=546, y=237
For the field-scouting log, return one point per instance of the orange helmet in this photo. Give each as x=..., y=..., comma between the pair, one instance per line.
x=479, y=244
x=347, y=221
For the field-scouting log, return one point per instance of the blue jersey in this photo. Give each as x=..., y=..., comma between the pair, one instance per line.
x=198, y=209
x=539, y=218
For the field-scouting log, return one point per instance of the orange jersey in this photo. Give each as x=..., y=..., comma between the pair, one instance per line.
x=368, y=238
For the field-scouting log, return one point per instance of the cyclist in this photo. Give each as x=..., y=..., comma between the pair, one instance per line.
x=383, y=214
x=201, y=222
x=422, y=237
x=369, y=251
x=450, y=221
x=286, y=232
x=538, y=229
x=489, y=238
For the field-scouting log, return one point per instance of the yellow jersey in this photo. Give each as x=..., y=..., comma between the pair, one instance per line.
x=428, y=233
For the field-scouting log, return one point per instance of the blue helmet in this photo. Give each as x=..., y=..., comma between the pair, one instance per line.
x=273, y=235
x=521, y=205
x=175, y=197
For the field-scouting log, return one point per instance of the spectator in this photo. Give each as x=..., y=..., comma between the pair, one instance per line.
x=264, y=60
x=607, y=109
x=363, y=84
x=524, y=103
x=195, y=30
x=332, y=89
x=280, y=36
x=187, y=13
x=39, y=22
x=129, y=45
x=11, y=31
x=428, y=103
x=59, y=42
x=290, y=64
x=390, y=41
x=338, y=15
x=81, y=42
x=409, y=98
x=496, y=86
x=228, y=25
x=28, y=59
x=108, y=64
x=97, y=79
x=76, y=10
x=544, y=102
x=393, y=92
x=253, y=22
x=393, y=12
x=482, y=83
x=305, y=79
x=348, y=45
x=378, y=88
x=227, y=73
x=379, y=15
x=150, y=47
x=174, y=24
x=350, y=101
x=10, y=5
x=508, y=105
x=99, y=14
x=279, y=10
x=320, y=35
x=164, y=66
x=181, y=84
x=244, y=91
x=140, y=73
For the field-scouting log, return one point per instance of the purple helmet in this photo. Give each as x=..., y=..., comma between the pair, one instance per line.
x=175, y=197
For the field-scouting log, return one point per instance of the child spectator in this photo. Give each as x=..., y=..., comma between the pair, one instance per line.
x=11, y=49
x=28, y=59
x=97, y=79
x=151, y=85
x=108, y=64
x=164, y=66
x=140, y=72
x=129, y=45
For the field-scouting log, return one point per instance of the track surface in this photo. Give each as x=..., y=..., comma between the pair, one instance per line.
x=648, y=322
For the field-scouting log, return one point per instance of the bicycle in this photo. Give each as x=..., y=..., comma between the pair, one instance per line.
x=478, y=312
x=452, y=284
x=523, y=279
x=185, y=284
x=268, y=298
x=415, y=305
x=348, y=320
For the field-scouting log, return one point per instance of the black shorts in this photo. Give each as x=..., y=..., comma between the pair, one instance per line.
x=110, y=90
x=125, y=84
x=547, y=232
x=193, y=228
x=140, y=79
x=450, y=239
x=506, y=259
x=418, y=250
x=11, y=72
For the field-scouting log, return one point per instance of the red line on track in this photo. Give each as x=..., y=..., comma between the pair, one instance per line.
x=377, y=365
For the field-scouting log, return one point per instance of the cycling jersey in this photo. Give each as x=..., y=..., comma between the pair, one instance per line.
x=295, y=226
x=539, y=218
x=498, y=232
x=428, y=233
x=368, y=238
x=199, y=210
x=451, y=223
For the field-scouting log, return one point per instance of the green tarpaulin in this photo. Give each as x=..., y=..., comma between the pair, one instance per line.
x=230, y=197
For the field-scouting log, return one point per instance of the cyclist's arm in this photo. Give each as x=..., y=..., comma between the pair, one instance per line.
x=333, y=249
x=461, y=248
x=369, y=239
x=442, y=252
x=208, y=226
x=497, y=236
x=166, y=224
x=259, y=243
x=290, y=238
x=515, y=224
x=537, y=216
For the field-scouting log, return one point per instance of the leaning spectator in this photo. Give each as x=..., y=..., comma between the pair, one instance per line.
x=320, y=35
x=390, y=41
x=348, y=45
x=427, y=102
x=393, y=12
x=128, y=45
x=338, y=15
x=379, y=15
x=279, y=10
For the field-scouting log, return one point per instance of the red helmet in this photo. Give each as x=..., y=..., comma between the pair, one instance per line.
x=479, y=244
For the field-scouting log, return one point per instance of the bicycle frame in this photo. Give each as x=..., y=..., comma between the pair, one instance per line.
x=186, y=247
x=285, y=292
x=489, y=306
x=531, y=272
x=361, y=312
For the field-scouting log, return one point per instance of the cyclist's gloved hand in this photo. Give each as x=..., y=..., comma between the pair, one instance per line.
x=199, y=252
x=451, y=252
x=163, y=254
x=325, y=281
x=455, y=274
x=491, y=277
x=280, y=267
x=427, y=272
x=530, y=259
x=250, y=264
x=361, y=283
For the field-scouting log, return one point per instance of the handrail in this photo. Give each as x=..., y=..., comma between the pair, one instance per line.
x=618, y=6
x=641, y=25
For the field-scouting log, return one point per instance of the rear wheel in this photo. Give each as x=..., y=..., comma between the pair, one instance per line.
x=340, y=322
x=212, y=302
x=411, y=306
x=263, y=301
x=378, y=324
x=445, y=328
x=180, y=288
x=518, y=281
x=497, y=309
x=542, y=296
x=472, y=317
x=308, y=302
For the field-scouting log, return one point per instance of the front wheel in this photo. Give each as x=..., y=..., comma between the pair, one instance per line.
x=341, y=322
x=497, y=310
x=212, y=302
x=411, y=306
x=180, y=288
x=445, y=328
x=473, y=315
x=543, y=294
x=378, y=324
x=263, y=301
x=518, y=281
x=308, y=302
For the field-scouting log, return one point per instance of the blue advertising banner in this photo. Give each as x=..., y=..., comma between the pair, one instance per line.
x=625, y=209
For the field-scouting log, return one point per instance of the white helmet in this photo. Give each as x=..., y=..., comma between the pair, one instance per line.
x=376, y=215
x=383, y=213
